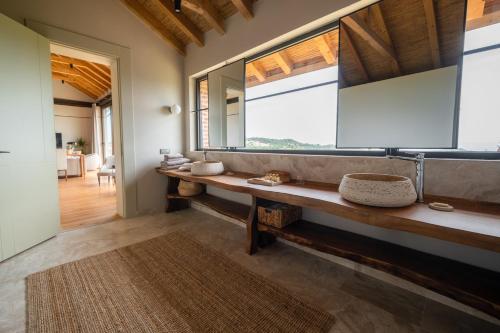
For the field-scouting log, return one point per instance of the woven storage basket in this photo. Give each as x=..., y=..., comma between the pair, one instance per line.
x=189, y=189
x=279, y=215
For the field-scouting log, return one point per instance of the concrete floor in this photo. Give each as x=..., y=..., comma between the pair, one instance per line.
x=360, y=303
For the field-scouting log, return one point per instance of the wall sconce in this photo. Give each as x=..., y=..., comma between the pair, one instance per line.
x=174, y=109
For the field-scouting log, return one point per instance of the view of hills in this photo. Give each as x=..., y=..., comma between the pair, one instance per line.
x=267, y=143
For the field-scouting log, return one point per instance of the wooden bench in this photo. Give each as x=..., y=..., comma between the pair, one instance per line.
x=471, y=223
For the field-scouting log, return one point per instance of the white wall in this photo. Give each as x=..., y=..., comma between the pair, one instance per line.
x=72, y=121
x=66, y=91
x=157, y=77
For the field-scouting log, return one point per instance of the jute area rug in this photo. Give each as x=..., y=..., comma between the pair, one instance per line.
x=167, y=284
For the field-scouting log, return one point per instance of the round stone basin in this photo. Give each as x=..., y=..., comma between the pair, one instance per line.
x=379, y=190
x=207, y=168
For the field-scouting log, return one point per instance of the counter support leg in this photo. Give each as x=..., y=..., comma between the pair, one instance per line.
x=174, y=204
x=255, y=238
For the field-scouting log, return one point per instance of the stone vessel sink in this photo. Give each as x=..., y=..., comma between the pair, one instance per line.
x=207, y=168
x=378, y=190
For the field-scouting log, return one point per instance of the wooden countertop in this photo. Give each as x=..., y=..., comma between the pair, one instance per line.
x=471, y=223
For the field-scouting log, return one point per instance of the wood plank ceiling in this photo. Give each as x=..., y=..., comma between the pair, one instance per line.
x=373, y=34
x=93, y=79
x=200, y=16
x=196, y=18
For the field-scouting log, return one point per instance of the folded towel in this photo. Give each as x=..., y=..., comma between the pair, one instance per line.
x=176, y=162
x=171, y=167
x=168, y=157
x=186, y=167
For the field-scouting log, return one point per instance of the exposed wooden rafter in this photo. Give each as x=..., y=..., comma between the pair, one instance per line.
x=430, y=16
x=208, y=12
x=257, y=71
x=67, y=70
x=283, y=62
x=355, y=55
x=475, y=9
x=488, y=19
x=244, y=7
x=378, y=18
x=90, y=78
x=98, y=73
x=328, y=53
x=359, y=26
x=155, y=24
x=181, y=21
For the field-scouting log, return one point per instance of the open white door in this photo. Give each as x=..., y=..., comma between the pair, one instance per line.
x=29, y=211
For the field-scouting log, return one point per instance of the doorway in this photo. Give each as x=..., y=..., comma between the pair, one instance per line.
x=84, y=127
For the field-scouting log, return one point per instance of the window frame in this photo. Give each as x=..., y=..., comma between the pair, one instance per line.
x=437, y=154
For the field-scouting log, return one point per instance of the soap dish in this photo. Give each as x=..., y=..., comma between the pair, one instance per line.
x=444, y=207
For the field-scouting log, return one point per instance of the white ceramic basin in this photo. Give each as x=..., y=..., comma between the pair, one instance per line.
x=378, y=190
x=207, y=168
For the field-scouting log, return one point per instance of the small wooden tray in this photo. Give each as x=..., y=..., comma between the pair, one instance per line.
x=262, y=181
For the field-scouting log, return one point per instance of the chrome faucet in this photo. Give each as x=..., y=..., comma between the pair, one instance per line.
x=419, y=159
x=204, y=155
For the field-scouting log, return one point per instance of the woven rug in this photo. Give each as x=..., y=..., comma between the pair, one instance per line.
x=167, y=284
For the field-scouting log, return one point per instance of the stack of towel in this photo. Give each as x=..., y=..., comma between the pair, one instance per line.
x=173, y=161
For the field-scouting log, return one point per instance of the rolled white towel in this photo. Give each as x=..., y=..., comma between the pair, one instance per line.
x=168, y=157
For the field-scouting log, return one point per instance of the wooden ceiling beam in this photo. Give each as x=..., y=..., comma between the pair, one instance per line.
x=61, y=69
x=485, y=20
x=155, y=25
x=328, y=53
x=208, y=12
x=93, y=70
x=59, y=76
x=475, y=9
x=283, y=61
x=244, y=7
x=378, y=18
x=181, y=21
x=355, y=55
x=92, y=79
x=97, y=78
x=257, y=71
x=70, y=69
x=358, y=26
x=430, y=17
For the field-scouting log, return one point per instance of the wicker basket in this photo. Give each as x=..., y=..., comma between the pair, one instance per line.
x=279, y=215
x=189, y=189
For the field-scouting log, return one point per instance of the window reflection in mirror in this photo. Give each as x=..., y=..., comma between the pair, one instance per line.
x=226, y=106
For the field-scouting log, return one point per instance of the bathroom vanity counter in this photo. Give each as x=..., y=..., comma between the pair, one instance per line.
x=471, y=223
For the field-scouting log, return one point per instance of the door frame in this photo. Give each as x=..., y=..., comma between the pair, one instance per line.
x=121, y=92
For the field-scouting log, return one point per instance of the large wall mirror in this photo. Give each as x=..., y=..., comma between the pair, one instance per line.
x=226, y=106
x=400, y=73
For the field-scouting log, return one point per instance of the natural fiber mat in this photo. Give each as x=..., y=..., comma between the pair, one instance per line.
x=167, y=284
